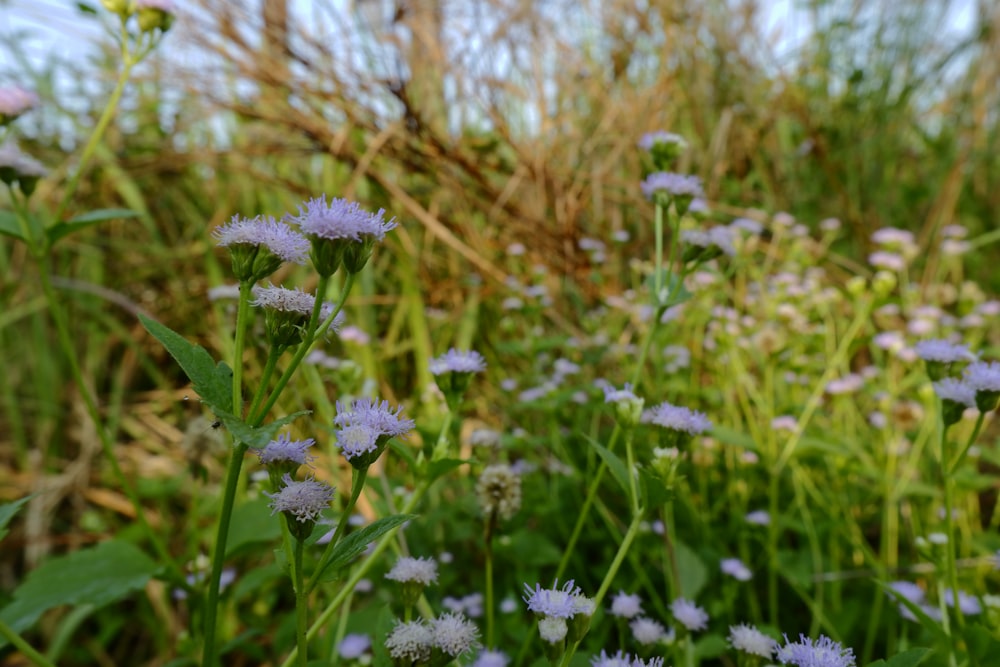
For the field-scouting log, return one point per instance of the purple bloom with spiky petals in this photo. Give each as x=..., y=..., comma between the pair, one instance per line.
x=341, y=219
x=674, y=185
x=284, y=449
x=455, y=361
x=553, y=602
x=824, y=652
x=380, y=417
x=277, y=237
x=304, y=500
x=956, y=390
x=943, y=351
x=677, y=418
x=688, y=614
x=357, y=440
x=983, y=376
x=625, y=605
x=622, y=659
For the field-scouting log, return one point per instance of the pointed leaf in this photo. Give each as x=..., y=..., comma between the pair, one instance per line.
x=442, y=467
x=693, y=573
x=214, y=383
x=98, y=576
x=9, y=226
x=261, y=435
x=617, y=467
x=355, y=544
x=910, y=658
x=75, y=224
x=7, y=512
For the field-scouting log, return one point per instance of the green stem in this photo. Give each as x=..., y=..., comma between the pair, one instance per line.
x=357, y=484
x=658, y=276
x=630, y=462
x=489, y=581
x=24, y=647
x=219, y=556
x=265, y=377
x=301, y=607
x=359, y=574
x=588, y=501
x=951, y=570
x=242, y=324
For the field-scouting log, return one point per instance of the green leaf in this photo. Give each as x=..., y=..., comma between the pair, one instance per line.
x=257, y=437
x=710, y=646
x=214, y=383
x=403, y=451
x=98, y=576
x=252, y=524
x=9, y=226
x=7, y=512
x=929, y=624
x=982, y=644
x=442, y=467
x=383, y=626
x=615, y=464
x=672, y=285
x=693, y=573
x=75, y=224
x=355, y=544
x=653, y=492
x=910, y=658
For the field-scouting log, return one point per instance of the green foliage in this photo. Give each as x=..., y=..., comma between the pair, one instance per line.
x=8, y=511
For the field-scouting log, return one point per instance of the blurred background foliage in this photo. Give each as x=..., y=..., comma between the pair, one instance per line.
x=478, y=124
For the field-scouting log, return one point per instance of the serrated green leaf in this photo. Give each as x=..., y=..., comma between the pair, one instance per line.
x=355, y=544
x=7, y=512
x=213, y=383
x=97, y=576
x=910, y=658
x=9, y=225
x=615, y=465
x=76, y=223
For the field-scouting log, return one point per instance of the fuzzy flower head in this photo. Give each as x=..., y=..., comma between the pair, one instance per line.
x=154, y=14
x=354, y=646
x=681, y=423
x=624, y=605
x=19, y=167
x=302, y=501
x=736, y=569
x=622, y=659
x=824, y=652
x=284, y=455
x=750, y=640
x=453, y=372
x=941, y=356
x=661, y=187
x=701, y=246
x=287, y=313
x=366, y=428
x=420, y=570
x=663, y=147
x=553, y=629
x=258, y=246
x=454, y=635
x=341, y=233
x=646, y=631
x=491, y=659
x=15, y=101
x=956, y=395
x=410, y=642
x=498, y=490
x=984, y=377
x=688, y=614
x=628, y=406
x=554, y=602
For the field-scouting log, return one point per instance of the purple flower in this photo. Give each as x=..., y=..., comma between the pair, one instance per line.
x=943, y=351
x=824, y=652
x=15, y=101
x=491, y=659
x=420, y=570
x=708, y=244
x=381, y=418
x=553, y=602
x=354, y=646
x=647, y=631
x=736, y=569
x=750, y=640
x=454, y=361
x=674, y=185
x=304, y=500
x=957, y=391
x=341, y=219
x=624, y=605
x=284, y=449
x=983, y=376
x=650, y=139
x=688, y=614
x=410, y=641
x=622, y=659
x=277, y=237
x=677, y=419
x=454, y=634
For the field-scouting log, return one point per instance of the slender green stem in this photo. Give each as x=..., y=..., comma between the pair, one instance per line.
x=265, y=377
x=588, y=501
x=383, y=543
x=658, y=276
x=357, y=484
x=630, y=463
x=968, y=444
x=301, y=607
x=26, y=649
x=951, y=570
x=489, y=581
x=242, y=324
x=672, y=571
x=209, y=657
